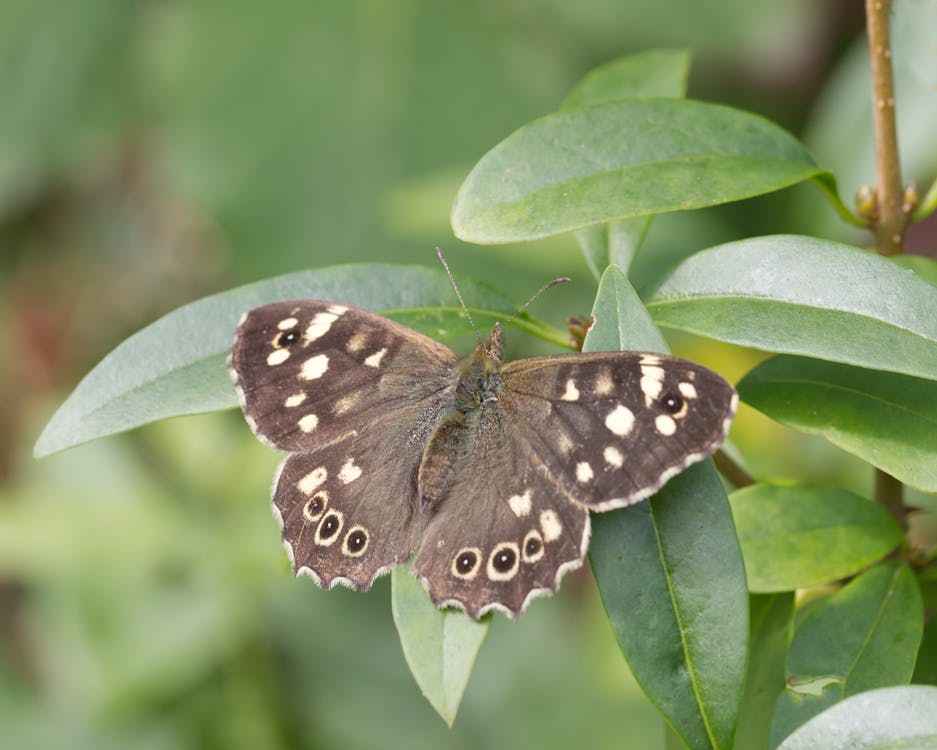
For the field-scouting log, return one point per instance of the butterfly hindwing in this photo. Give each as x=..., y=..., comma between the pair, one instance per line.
x=504, y=531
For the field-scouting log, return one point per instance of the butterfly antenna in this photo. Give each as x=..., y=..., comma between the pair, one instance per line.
x=528, y=303
x=442, y=259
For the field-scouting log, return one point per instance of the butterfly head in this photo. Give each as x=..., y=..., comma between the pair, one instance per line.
x=492, y=347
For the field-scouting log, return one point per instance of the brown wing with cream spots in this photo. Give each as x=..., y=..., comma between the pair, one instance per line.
x=614, y=426
x=308, y=372
x=504, y=531
x=349, y=512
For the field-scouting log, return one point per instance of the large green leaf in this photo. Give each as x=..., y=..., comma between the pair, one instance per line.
x=892, y=718
x=623, y=159
x=670, y=572
x=652, y=73
x=799, y=536
x=440, y=645
x=175, y=366
x=800, y=295
x=863, y=637
x=771, y=616
x=887, y=419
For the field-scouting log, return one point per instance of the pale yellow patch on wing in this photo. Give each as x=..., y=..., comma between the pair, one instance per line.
x=375, y=359
x=520, y=504
x=314, y=367
x=357, y=342
x=278, y=357
x=295, y=400
x=349, y=472
x=550, y=526
x=603, y=384
x=584, y=471
x=319, y=326
x=620, y=420
x=346, y=403
x=687, y=390
x=309, y=483
x=572, y=392
x=613, y=456
x=287, y=323
x=308, y=423
x=665, y=424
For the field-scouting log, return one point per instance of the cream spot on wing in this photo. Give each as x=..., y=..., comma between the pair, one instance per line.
x=651, y=388
x=375, y=359
x=308, y=423
x=278, y=357
x=564, y=442
x=584, y=471
x=338, y=309
x=295, y=400
x=346, y=403
x=687, y=390
x=356, y=342
x=665, y=424
x=620, y=420
x=650, y=359
x=550, y=526
x=319, y=326
x=520, y=504
x=603, y=384
x=308, y=484
x=287, y=323
x=572, y=392
x=613, y=457
x=349, y=472
x=314, y=367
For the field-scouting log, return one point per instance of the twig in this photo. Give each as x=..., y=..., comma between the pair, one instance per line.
x=891, y=219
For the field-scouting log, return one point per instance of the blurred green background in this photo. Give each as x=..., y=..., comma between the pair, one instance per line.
x=155, y=151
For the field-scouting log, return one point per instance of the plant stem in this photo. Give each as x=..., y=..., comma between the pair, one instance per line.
x=891, y=220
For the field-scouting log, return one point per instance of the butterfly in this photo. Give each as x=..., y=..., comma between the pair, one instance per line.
x=482, y=472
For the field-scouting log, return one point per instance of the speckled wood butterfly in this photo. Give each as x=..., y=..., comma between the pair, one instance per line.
x=485, y=471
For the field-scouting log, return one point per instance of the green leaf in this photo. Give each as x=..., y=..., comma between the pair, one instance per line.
x=863, y=637
x=176, y=365
x=615, y=243
x=771, y=616
x=800, y=536
x=670, y=572
x=619, y=160
x=440, y=646
x=887, y=419
x=924, y=268
x=800, y=295
x=653, y=73
x=891, y=718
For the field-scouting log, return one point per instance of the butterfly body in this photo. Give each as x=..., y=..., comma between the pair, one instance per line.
x=482, y=472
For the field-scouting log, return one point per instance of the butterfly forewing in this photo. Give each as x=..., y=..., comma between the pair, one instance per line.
x=310, y=371
x=614, y=426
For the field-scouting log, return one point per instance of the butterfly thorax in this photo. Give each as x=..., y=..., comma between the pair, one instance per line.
x=478, y=376
x=477, y=383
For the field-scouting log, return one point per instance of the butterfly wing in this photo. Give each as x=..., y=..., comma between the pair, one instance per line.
x=356, y=397
x=504, y=529
x=614, y=426
x=308, y=372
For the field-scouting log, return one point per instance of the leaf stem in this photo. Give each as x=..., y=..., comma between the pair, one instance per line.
x=732, y=471
x=890, y=220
